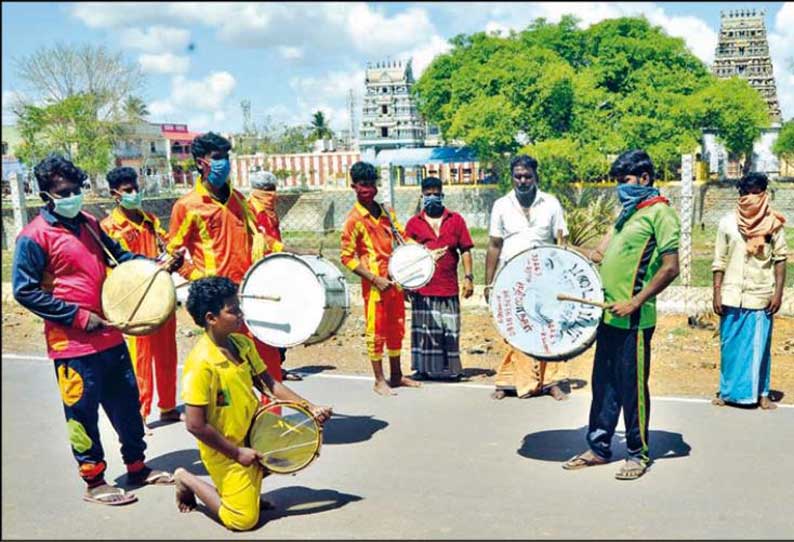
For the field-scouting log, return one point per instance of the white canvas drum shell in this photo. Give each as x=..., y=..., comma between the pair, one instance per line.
x=526, y=311
x=411, y=266
x=314, y=299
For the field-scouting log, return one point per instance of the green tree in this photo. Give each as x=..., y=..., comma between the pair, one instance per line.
x=784, y=145
x=319, y=125
x=135, y=109
x=582, y=94
x=69, y=127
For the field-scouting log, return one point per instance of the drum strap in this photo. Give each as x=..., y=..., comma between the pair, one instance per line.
x=98, y=239
x=397, y=236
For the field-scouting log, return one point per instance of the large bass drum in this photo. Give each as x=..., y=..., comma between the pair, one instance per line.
x=289, y=300
x=526, y=311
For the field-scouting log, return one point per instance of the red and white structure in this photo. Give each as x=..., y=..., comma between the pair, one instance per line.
x=315, y=170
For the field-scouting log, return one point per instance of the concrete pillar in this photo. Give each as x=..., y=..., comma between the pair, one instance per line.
x=18, y=202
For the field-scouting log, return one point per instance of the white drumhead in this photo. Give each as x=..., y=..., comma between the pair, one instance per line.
x=527, y=313
x=295, y=317
x=411, y=266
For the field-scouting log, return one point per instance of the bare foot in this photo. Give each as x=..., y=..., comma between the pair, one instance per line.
x=717, y=402
x=185, y=498
x=382, y=388
x=766, y=404
x=406, y=381
x=558, y=394
x=498, y=395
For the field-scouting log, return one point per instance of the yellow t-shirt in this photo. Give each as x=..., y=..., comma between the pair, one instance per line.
x=225, y=388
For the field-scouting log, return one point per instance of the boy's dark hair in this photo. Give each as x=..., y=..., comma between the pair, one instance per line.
x=208, y=295
x=55, y=164
x=363, y=171
x=524, y=160
x=633, y=162
x=120, y=175
x=432, y=182
x=207, y=143
x=752, y=180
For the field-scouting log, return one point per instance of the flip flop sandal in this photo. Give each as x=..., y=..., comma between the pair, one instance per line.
x=152, y=478
x=580, y=462
x=631, y=471
x=102, y=496
x=295, y=377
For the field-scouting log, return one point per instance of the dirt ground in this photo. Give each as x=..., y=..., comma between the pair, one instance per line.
x=685, y=360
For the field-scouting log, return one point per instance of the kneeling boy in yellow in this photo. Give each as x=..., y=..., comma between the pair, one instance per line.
x=220, y=403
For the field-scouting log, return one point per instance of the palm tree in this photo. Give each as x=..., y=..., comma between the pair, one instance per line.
x=135, y=109
x=320, y=129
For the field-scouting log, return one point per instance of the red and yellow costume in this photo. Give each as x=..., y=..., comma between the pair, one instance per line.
x=219, y=238
x=368, y=241
x=263, y=203
x=159, y=348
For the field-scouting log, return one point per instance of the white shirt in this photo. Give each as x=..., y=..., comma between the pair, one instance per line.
x=749, y=281
x=510, y=223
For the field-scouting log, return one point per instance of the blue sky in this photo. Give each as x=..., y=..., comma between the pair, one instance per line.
x=290, y=59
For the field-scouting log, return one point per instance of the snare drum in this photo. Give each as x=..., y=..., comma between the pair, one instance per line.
x=411, y=266
x=288, y=300
x=138, y=297
x=288, y=436
x=526, y=311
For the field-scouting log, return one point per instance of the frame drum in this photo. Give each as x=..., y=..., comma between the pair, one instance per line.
x=526, y=311
x=288, y=436
x=289, y=300
x=138, y=297
x=411, y=266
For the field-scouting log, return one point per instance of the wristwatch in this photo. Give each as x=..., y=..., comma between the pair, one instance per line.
x=470, y=277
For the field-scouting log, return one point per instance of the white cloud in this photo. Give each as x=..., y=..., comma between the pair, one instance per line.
x=204, y=103
x=376, y=33
x=423, y=55
x=291, y=53
x=155, y=39
x=165, y=63
x=332, y=85
x=781, y=49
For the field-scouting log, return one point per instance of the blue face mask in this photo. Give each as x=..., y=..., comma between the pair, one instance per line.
x=631, y=195
x=433, y=204
x=67, y=207
x=219, y=172
x=131, y=201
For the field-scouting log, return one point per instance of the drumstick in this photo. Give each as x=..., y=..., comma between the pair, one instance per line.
x=261, y=297
x=566, y=297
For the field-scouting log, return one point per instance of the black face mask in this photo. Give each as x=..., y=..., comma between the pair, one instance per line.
x=526, y=194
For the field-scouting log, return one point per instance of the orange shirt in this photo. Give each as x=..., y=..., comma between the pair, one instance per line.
x=138, y=238
x=368, y=242
x=214, y=233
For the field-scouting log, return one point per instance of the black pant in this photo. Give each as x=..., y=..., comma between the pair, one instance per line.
x=620, y=380
x=105, y=378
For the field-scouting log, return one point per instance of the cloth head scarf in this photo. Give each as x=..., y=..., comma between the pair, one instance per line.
x=756, y=220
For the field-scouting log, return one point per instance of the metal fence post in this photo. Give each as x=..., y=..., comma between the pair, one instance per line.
x=18, y=202
x=686, y=227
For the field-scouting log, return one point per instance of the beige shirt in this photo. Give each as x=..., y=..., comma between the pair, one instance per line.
x=749, y=281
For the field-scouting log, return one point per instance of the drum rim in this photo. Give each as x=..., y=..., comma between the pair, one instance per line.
x=297, y=406
x=139, y=330
x=425, y=283
x=549, y=357
x=274, y=255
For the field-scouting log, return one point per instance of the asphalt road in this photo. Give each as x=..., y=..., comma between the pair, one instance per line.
x=444, y=461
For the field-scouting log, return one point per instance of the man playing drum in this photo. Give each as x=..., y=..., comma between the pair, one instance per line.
x=216, y=226
x=519, y=220
x=639, y=259
x=217, y=387
x=58, y=271
x=367, y=240
x=262, y=201
x=435, y=308
x=139, y=231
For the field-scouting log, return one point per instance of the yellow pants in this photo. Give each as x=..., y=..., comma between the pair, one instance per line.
x=239, y=488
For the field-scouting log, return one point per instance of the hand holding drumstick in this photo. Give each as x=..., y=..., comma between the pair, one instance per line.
x=624, y=308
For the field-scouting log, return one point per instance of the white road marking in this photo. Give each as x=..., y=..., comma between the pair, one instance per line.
x=453, y=384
